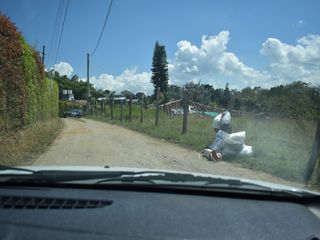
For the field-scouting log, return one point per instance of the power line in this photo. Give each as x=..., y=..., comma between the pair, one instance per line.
x=64, y=19
x=56, y=30
x=105, y=22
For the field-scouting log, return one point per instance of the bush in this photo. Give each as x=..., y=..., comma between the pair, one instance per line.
x=12, y=85
x=26, y=96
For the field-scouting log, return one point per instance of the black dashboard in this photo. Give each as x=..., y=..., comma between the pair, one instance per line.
x=71, y=213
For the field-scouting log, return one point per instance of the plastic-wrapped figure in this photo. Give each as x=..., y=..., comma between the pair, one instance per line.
x=222, y=122
x=225, y=143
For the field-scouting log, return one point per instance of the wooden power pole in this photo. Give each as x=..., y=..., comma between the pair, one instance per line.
x=43, y=54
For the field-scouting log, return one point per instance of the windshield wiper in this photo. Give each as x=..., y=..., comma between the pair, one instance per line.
x=185, y=179
x=189, y=180
x=4, y=167
x=158, y=178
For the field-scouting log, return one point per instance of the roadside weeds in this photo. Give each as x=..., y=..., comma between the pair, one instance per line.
x=23, y=146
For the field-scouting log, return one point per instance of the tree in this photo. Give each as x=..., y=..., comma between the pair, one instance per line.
x=159, y=69
x=127, y=93
x=174, y=92
x=75, y=78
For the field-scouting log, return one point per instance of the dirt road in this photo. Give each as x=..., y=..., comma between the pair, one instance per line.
x=86, y=142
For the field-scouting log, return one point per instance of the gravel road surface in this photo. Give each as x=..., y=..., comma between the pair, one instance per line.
x=92, y=143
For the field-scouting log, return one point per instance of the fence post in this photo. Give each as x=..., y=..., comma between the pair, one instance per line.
x=121, y=114
x=157, y=107
x=130, y=109
x=101, y=106
x=91, y=106
x=95, y=108
x=314, y=155
x=105, y=109
x=111, y=108
x=185, y=104
x=141, y=109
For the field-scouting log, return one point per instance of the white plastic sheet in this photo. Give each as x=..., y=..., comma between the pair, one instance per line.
x=216, y=121
x=226, y=119
x=246, y=151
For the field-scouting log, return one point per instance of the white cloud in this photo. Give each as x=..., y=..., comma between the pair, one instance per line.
x=129, y=79
x=212, y=63
x=63, y=68
x=292, y=63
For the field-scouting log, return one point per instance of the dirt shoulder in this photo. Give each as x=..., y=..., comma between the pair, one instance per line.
x=92, y=143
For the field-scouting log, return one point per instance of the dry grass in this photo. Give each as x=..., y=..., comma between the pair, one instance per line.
x=24, y=145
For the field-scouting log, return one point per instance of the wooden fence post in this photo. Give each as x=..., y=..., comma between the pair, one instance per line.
x=157, y=107
x=141, y=110
x=101, y=107
x=91, y=107
x=130, y=109
x=185, y=104
x=121, y=114
x=105, y=109
x=314, y=155
x=111, y=108
x=95, y=108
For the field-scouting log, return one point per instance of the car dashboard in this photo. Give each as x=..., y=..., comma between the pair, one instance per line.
x=33, y=212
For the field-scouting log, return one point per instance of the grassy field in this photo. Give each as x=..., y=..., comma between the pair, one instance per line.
x=281, y=147
x=22, y=146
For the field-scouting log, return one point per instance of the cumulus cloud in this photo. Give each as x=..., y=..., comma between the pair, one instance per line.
x=293, y=63
x=129, y=79
x=212, y=63
x=63, y=68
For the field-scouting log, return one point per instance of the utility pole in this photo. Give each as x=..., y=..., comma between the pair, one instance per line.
x=185, y=105
x=88, y=84
x=43, y=54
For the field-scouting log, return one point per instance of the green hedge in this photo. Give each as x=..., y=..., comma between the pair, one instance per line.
x=26, y=96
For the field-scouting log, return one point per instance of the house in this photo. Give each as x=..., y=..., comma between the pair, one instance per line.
x=67, y=95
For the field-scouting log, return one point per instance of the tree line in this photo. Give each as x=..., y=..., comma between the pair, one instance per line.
x=294, y=99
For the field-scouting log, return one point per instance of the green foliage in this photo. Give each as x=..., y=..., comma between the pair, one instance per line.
x=42, y=93
x=127, y=94
x=12, y=85
x=295, y=99
x=159, y=69
x=26, y=95
x=78, y=87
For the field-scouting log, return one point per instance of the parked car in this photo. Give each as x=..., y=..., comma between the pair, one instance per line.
x=73, y=113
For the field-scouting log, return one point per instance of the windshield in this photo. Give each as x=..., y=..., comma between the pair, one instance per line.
x=226, y=88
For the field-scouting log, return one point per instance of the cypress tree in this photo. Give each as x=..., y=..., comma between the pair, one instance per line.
x=159, y=69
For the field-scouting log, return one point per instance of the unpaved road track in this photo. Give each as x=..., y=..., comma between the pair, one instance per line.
x=92, y=143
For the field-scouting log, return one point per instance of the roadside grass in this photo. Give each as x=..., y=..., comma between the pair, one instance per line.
x=281, y=146
x=24, y=145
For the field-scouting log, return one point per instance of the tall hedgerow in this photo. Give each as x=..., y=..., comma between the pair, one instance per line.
x=12, y=85
x=26, y=96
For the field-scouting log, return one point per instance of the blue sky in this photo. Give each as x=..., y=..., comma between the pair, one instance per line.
x=245, y=43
